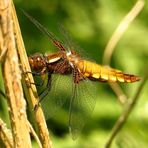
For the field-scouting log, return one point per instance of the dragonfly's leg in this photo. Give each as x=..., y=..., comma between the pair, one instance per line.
x=38, y=84
x=41, y=73
x=33, y=73
x=44, y=92
x=38, y=74
x=78, y=76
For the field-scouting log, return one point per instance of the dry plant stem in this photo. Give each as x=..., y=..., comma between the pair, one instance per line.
x=124, y=24
x=2, y=49
x=34, y=135
x=12, y=81
x=2, y=54
x=106, y=60
x=122, y=119
x=119, y=92
x=5, y=135
x=31, y=91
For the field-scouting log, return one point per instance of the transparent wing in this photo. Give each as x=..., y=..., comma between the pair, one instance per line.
x=44, y=30
x=68, y=44
x=67, y=39
x=81, y=106
x=71, y=44
x=59, y=93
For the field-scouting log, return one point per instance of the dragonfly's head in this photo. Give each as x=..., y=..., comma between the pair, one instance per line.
x=37, y=62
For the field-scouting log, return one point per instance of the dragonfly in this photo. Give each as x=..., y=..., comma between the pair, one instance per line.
x=83, y=73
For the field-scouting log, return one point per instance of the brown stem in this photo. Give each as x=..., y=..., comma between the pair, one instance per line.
x=31, y=92
x=110, y=47
x=6, y=135
x=34, y=135
x=12, y=79
x=122, y=27
x=128, y=19
x=129, y=107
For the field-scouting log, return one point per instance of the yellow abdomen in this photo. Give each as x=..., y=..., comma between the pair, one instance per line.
x=103, y=73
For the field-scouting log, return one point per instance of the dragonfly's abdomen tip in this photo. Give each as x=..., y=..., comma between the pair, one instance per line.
x=128, y=78
x=135, y=78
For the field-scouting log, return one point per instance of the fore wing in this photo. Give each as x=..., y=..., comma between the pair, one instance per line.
x=50, y=35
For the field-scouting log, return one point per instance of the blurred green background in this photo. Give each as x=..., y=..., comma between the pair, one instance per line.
x=91, y=24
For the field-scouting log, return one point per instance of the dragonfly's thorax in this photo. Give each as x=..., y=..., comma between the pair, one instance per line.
x=57, y=63
x=53, y=58
x=72, y=57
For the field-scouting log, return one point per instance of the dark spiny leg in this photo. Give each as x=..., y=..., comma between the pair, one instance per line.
x=37, y=74
x=34, y=73
x=47, y=87
x=44, y=92
x=78, y=76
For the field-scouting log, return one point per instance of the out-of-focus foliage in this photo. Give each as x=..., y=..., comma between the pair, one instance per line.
x=91, y=24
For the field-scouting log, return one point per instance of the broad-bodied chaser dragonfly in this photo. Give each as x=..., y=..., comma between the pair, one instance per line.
x=83, y=73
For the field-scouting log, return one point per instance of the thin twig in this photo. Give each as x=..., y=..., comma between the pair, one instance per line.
x=31, y=92
x=3, y=12
x=124, y=116
x=5, y=135
x=34, y=135
x=122, y=27
x=119, y=92
x=106, y=60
